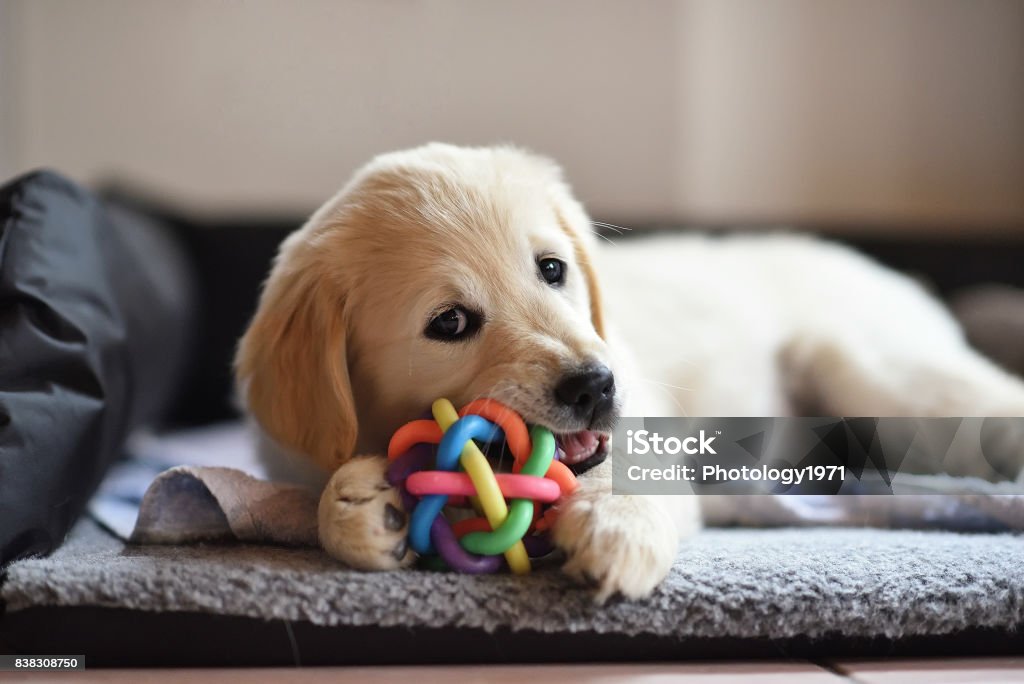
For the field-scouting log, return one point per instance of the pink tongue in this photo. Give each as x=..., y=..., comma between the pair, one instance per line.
x=579, y=446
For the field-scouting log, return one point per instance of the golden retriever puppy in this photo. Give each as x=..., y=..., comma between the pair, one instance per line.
x=443, y=272
x=465, y=273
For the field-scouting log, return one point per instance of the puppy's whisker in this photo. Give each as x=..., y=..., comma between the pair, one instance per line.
x=603, y=237
x=665, y=384
x=603, y=225
x=501, y=456
x=674, y=398
x=664, y=387
x=611, y=226
x=493, y=390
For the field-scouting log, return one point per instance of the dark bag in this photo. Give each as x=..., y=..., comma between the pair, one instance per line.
x=95, y=315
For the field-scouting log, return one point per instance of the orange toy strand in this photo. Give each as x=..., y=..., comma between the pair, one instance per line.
x=560, y=473
x=411, y=434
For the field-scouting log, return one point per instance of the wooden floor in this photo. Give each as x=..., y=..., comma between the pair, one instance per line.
x=866, y=671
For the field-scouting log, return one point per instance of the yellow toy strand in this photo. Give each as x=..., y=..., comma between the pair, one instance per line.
x=487, y=489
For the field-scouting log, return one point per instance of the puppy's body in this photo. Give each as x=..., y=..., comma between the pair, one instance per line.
x=431, y=274
x=786, y=324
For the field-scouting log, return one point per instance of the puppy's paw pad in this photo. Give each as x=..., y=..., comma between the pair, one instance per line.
x=361, y=521
x=616, y=544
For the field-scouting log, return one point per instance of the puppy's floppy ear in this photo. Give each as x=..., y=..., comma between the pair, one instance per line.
x=291, y=362
x=574, y=223
x=590, y=277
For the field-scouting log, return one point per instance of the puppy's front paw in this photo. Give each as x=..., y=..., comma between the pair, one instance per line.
x=361, y=521
x=622, y=544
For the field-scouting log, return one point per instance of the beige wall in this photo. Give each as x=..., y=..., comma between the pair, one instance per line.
x=273, y=103
x=9, y=157
x=902, y=110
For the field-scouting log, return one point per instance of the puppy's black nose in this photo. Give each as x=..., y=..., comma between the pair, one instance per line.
x=588, y=392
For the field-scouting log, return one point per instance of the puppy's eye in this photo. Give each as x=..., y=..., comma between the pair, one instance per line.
x=453, y=324
x=552, y=270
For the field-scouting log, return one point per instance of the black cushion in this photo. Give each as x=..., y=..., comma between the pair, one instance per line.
x=95, y=307
x=231, y=257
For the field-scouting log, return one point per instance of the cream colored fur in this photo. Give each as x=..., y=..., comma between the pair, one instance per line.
x=335, y=359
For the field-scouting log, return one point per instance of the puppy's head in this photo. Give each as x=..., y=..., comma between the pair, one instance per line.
x=436, y=272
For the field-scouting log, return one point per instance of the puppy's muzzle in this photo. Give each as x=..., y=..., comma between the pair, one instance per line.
x=588, y=393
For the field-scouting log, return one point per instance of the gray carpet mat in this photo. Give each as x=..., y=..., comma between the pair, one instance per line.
x=743, y=583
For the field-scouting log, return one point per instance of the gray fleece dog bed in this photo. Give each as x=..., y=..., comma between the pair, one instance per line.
x=737, y=584
x=259, y=592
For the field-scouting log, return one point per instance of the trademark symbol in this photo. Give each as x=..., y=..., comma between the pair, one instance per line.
x=718, y=432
